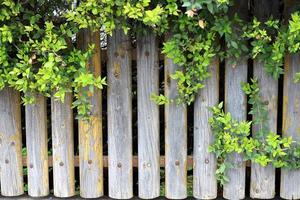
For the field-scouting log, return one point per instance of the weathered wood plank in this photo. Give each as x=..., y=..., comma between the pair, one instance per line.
x=290, y=179
x=37, y=147
x=148, y=116
x=263, y=178
x=63, y=147
x=11, y=175
x=204, y=180
x=236, y=103
x=175, y=138
x=119, y=106
x=90, y=132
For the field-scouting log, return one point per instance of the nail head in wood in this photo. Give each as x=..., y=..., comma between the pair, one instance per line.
x=119, y=165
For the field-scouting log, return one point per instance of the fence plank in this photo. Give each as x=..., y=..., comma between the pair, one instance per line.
x=63, y=147
x=37, y=147
x=205, y=183
x=119, y=105
x=148, y=116
x=11, y=175
x=90, y=132
x=175, y=139
x=235, y=103
x=263, y=178
x=290, y=179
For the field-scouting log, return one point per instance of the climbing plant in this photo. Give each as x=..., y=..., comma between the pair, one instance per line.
x=264, y=147
x=38, y=54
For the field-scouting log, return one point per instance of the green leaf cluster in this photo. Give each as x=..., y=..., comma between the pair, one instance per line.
x=264, y=147
x=37, y=55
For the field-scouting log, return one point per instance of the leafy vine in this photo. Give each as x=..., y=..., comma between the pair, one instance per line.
x=38, y=53
x=264, y=148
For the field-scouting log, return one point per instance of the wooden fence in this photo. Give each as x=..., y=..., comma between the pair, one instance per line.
x=119, y=63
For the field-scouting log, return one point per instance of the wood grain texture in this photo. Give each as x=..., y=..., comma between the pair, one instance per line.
x=148, y=116
x=37, y=147
x=236, y=104
x=263, y=178
x=90, y=132
x=204, y=180
x=63, y=147
x=11, y=175
x=262, y=185
x=290, y=179
x=175, y=138
x=119, y=105
x=134, y=161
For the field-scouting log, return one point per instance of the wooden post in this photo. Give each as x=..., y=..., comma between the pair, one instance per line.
x=290, y=179
x=175, y=139
x=119, y=105
x=148, y=116
x=90, y=133
x=204, y=180
x=37, y=147
x=236, y=104
x=63, y=147
x=263, y=178
x=11, y=175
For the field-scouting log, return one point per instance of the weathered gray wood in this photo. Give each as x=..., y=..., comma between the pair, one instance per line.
x=11, y=175
x=90, y=132
x=290, y=179
x=204, y=180
x=37, y=147
x=119, y=106
x=263, y=178
x=175, y=139
x=236, y=103
x=148, y=116
x=63, y=147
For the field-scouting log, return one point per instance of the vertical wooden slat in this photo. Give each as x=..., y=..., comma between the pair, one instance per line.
x=37, y=147
x=11, y=175
x=90, y=132
x=119, y=105
x=175, y=139
x=63, y=147
x=205, y=183
x=290, y=179
x=263, y=178
x=148, y=116
x=236, y=104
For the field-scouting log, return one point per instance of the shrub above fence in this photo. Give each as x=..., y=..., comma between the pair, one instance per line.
x=147, y=82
